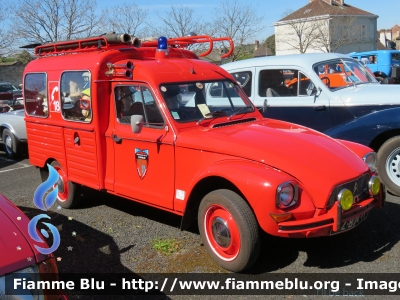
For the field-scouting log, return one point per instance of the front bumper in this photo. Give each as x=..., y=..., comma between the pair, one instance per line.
x=331, y=222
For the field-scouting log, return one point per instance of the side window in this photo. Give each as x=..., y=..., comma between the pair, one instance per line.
x=245, y=80
x=136, y=100
x=277, y=83
x=306, y=86
x=76, y=102
x=35, y=93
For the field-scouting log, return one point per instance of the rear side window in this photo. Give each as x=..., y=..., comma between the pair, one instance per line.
x=76, y=102
x=35, y=94
x=244, y=79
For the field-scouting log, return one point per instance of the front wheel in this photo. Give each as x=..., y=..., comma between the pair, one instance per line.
x=11, y=144
x=229, y=230
x=389, y=164
x=68, y=192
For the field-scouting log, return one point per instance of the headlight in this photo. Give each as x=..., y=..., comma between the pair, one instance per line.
x=345, y=198
x=370, y=160
x=286, y=194
x=374, y=185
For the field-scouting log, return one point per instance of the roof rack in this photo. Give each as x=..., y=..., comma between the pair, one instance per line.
x=182, y=42
x=86, y=44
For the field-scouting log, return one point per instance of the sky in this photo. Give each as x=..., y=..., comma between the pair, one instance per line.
x=270, y=10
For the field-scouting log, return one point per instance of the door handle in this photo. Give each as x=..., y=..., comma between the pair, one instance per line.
x=319, y=108
x=116, y=139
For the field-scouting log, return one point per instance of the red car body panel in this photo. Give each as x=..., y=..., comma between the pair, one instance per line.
x=14, y=234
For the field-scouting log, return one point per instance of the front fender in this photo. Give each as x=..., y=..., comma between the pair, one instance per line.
x=256, y=182
x=364, y=129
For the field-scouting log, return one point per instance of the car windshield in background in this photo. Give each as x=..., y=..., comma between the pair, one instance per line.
x=188, y=102
x=341, y=73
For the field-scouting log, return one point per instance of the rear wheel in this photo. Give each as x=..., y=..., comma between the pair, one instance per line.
x=68, y=192
x=229, y=230
x=389, y=164
x=11, y=144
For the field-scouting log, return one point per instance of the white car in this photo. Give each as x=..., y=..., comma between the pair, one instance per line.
x=13, y=131
x=331, y=93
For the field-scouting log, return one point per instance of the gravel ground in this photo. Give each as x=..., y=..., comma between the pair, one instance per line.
x=114, y=235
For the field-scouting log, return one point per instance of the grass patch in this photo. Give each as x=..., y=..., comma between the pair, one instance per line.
x=166, y=246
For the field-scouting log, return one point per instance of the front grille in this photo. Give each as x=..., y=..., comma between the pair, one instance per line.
x=359, y=188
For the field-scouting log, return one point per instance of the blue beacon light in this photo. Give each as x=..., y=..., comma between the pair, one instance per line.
x=162, y=44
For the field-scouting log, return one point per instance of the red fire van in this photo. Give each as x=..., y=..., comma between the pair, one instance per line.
x=153, y=123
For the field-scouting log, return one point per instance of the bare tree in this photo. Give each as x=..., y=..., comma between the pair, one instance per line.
x=337, y=31
x=5, y=37
x=240, y=22
x=125, y=18
x=45, y=21
x=179, y=21
x=298, y=33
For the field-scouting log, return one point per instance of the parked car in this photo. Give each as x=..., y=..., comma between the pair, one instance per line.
x=12, y=130
x=8, y=87
x=19, y=258
x=332, y=93
x=385, y=64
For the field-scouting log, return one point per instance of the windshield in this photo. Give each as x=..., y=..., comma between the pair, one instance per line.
x=341, y=73
x=196, y=101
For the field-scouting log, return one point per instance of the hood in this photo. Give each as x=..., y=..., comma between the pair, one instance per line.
x=371, y=94
x=315, y=160
x=13, y=236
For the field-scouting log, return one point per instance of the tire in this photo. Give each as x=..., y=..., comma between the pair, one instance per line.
x=11, y=144
x=380, y=79
x=389, y=164
x=68, y=192
x=239, y=244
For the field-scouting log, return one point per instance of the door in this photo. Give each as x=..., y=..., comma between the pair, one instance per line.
x=144, y=162
x=291, y=96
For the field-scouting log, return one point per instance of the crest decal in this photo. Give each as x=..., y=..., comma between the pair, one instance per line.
x=142, y=159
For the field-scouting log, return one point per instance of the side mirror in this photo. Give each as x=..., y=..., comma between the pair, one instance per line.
x=137, y=123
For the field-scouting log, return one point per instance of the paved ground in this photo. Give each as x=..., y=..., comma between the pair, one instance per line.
x=114, y=235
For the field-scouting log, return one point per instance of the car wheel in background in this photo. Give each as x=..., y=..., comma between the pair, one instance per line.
x=389, y=164
x=11, y=144
x=229, y=230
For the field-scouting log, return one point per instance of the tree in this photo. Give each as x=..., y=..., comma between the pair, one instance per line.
x=46, y=21
x=298, y=33
x=24, y=57
x=5, y=37
x=125, y=18
x=270, y=43
x=180, y=21
x=240, y=22
x=335, y=32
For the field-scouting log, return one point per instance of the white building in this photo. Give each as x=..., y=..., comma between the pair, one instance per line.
x=326, y=26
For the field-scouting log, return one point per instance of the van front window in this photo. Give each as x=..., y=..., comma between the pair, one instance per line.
x=188, y=102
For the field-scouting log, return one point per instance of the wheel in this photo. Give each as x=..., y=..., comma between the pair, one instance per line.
x=229, y=230
x=388, y=164
x=380, y=79
x=68, y=192
x=11, y=144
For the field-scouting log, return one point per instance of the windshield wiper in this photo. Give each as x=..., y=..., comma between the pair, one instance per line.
x=211, y=115
x=238, y=111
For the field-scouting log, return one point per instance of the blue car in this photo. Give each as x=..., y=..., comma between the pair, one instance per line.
x=332, y=93
x=385, y=64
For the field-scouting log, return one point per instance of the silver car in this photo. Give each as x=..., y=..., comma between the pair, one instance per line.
x=13, y=131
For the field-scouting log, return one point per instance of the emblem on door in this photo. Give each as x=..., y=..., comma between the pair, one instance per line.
x=142, y=160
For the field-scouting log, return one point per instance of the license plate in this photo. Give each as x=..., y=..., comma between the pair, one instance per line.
x=349, y=224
